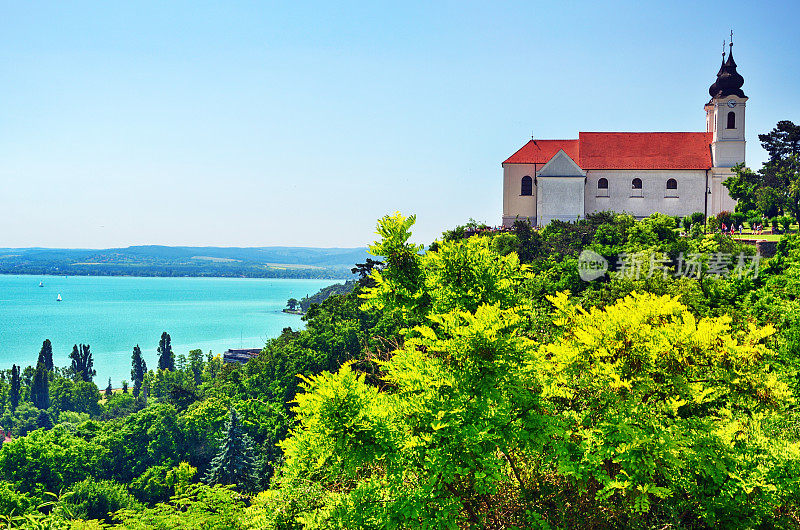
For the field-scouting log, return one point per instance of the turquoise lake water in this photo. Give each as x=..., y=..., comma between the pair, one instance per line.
x=113, y=314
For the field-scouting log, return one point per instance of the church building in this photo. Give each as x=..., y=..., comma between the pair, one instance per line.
x=639, y=173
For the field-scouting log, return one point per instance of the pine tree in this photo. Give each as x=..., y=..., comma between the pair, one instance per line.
x=138, y=369
x=46, y=355
x=16, y=384
x=82, y=363
x=124, y=387
x=40, y=388
x=109, y=389
x=43, y=421
x=236, y=462
x=166, y=359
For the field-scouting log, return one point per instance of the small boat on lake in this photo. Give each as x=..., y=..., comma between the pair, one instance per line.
x=58, y=299
x=41, y=284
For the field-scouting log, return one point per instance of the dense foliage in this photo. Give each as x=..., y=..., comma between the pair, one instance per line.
x=480, y=384
x=774, y=189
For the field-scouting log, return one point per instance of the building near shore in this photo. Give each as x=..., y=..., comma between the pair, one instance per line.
x=640, y=173
x=240, y=355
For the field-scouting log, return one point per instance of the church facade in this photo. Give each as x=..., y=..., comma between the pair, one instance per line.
x=640, y=173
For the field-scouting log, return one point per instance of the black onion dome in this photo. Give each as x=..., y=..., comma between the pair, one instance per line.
x=729, y=82
x=713, y=89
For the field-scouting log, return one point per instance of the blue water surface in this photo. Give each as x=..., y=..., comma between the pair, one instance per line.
x=113, y=314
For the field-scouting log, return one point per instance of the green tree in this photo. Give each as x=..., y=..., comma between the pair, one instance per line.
x=138, y=369
x=44, y=421
x=46, y=355
x=76, y=396
x=40, y=389
x=235, y=463
x=196, y=365
x=775, y=187
x=109, y=389
x=97, y=499
x=124, y=387
x=12, y=502
x=49, y=460
x=16, y=384
x=166, y=359
x=82, y=362
x=292, y=304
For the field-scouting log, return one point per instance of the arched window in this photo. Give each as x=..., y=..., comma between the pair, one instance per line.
x=672, y=184
x=602, y=184
x=731, y=120
x=636, y=184
x=527, y=185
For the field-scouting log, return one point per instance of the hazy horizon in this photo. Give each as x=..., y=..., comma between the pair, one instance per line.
x=254, y=125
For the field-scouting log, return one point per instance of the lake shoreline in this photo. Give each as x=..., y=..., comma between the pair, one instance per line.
x=115, y=313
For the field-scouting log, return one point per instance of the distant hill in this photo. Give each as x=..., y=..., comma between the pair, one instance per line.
x=155, y=260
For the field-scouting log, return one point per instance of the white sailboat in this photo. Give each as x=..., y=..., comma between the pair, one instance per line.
x=58, y=299
x=41, y=284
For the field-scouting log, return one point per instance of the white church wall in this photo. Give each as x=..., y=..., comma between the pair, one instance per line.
x=719, y=200
x=654, y=195
x=560, y=198
x=516, y=205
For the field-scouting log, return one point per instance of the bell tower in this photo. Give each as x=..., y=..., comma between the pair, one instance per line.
x=725, y=120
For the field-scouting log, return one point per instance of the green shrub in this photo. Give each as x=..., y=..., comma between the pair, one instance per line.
x=69, y=417
x=724, y=217
x=13, y=502
x=738, y=218
x=504, y=244
x=119, y=405
x=97, y=499
x=698, y=218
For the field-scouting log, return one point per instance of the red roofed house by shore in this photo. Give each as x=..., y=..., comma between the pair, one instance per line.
x=675, y=173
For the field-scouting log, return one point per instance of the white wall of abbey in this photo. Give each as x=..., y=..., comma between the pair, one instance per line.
x=654, y=195
x=516, y=205
x=560, y=198
x=719, y=200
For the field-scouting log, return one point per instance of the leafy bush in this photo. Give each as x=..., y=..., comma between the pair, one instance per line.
x=151, y=486
x=77, y=396
x=120, y=405
x=13, y=502
x=97, y=499
x=505, y=243
x=698, y=218
x=738, y=218
x=636, y=415
x=22, y=420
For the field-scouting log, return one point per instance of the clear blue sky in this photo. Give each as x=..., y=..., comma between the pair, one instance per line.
x=255, y=124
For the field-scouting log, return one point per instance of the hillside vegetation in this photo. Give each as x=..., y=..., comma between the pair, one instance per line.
x=481, y=384
x=264, y=262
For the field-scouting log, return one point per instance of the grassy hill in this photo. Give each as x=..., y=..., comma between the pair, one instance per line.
x=154, y=260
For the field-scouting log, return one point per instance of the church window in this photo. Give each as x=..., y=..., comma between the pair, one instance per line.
x=731, y=120
x=527, y=185
x=672, y=184
x=636, y=188
x=602, y=184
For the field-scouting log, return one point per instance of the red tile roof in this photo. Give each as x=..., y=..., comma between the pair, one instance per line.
x=541, y=151
x=604, y=150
